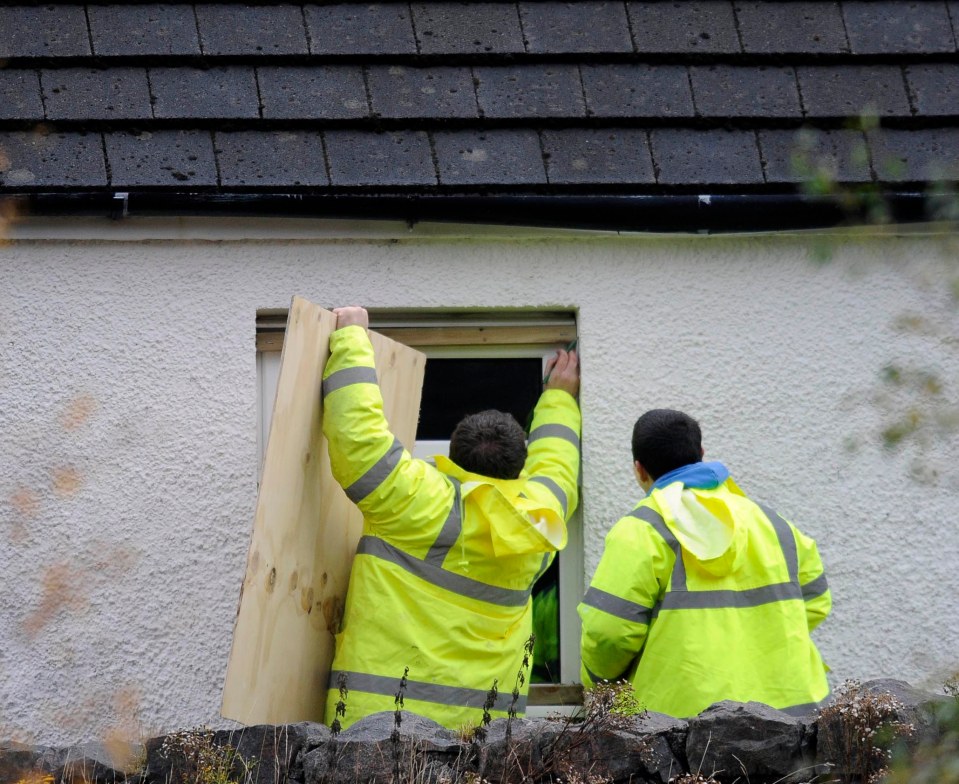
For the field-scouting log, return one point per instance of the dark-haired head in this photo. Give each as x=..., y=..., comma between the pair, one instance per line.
x=664, y=439
x=490, y=443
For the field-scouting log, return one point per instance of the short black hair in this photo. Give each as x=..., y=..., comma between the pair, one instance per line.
x=664, y=440
x=490, y=443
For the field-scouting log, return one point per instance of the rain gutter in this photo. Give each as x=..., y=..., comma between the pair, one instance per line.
x=686, y=213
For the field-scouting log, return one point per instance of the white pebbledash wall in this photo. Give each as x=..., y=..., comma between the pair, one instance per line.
x=128, y=452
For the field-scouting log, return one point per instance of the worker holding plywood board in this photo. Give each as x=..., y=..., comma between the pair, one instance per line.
x=439, y=606
x=305, y=531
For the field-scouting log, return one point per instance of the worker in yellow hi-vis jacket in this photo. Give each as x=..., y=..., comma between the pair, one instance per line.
x=702, y=595
x=443, y=573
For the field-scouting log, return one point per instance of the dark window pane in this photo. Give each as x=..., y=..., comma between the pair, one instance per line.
x=454, y=388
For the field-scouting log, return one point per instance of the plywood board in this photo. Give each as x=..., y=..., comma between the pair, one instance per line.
x=305, y=531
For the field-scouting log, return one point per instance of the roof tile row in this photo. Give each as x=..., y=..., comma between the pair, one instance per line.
x=347, y=158
x=589, y=26
x=350, y=92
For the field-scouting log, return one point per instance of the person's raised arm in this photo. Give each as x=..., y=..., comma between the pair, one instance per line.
x=367, y=460
x=554, y=439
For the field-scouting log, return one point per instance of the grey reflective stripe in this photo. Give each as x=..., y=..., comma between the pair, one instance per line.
x=614, y=605
x=806, y=708
x=450, y=532
x=423, y=691
x=374, y=477
x=815, y=588
x=555, y=431
x=786, y=541
x=554, y=488
x=441, y=578
x=655, y=519
x=544, y=565
x=713, y=600
x=346, y=376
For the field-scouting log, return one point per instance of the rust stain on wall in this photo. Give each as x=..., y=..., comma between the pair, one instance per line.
x=25, y=502
x=66, y=480
x=77, y=412
x=60, y=591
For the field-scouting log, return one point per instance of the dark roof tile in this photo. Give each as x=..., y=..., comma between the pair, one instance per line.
x=683, y=156
x=271, y=158
x=893, y=26
x=149, y=29
x=20, y=95
x=44, y=31
x=218, y=93
x=853, y=90
x=96, y=94
x=351, y=28
x=925, y=154
x=462, y=28
x=707, y=26
x=530, y=91
x=158, y=158
x=801, y=156
x=585, y=26
x=934, y=88
x=30, y=159
x=775, y=28
x=745, y=91
x=498, y=157
x=402, y=91
x=607, y=155
x=251, y=29
x=380, y=159
x=637, y=90
x=327, y=92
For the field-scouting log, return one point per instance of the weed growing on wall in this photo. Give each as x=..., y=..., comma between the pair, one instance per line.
x=863, y=726
x=935, y=760
x=201, y=761
x=518, y=685
x=398, y=702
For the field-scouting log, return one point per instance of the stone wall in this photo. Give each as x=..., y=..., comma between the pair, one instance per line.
x=727, y=742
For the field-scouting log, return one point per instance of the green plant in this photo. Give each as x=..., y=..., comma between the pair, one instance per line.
x=398, y=702
x=858, y=729
x=936, y=759
x=518, y=685
x=198, y=759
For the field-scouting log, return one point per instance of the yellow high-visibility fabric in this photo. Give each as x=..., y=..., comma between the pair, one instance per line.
x=738, y=625
x=451, y=604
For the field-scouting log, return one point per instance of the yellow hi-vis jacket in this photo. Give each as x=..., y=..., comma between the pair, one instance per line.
x=703, y=595
x=443, y=573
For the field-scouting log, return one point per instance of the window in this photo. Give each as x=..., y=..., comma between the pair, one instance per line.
x=474, y=362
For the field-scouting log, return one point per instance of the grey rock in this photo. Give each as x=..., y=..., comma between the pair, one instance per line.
x=366, y=751
x=18, y=760
x=637, y=748
x=96, y=763
x=497, y=758
x=841, y=724
x=746, y=741
x=261, y=754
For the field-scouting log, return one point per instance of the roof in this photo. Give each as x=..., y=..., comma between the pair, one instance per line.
x=439, y=98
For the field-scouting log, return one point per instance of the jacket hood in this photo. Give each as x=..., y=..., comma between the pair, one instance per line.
x=517, y=524
x=703, y=522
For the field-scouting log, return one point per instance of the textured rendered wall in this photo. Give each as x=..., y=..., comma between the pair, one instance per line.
x=128, y=432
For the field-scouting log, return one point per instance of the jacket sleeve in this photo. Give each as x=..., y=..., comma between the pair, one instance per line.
x=553, y=453
x=390, y=487
x=618, y=605
x=812, y=580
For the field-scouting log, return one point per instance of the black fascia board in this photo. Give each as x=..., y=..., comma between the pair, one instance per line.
x=675, y=213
